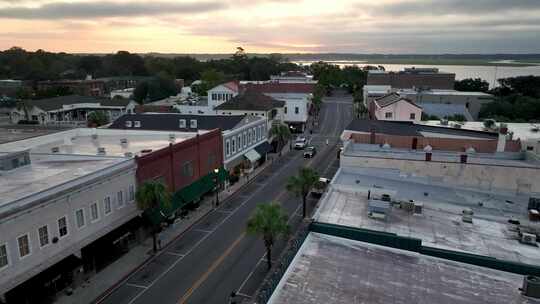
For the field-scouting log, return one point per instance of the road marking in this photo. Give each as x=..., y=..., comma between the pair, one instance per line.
x=224, y=212
x=175, y=254
x=136, y=285
x=206, y=236
x=214, y=265
x=204, y=231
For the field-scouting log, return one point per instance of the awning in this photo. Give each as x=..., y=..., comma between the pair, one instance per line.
x=264, y=148
x=252, y=155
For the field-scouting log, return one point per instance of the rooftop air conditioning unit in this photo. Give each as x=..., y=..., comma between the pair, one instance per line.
x=418, y=207
x=55, y=149
x=528, y=238
x=101, y=150
x=531, y=286
x=123, y=141
x=172, y=137
x=466, y=218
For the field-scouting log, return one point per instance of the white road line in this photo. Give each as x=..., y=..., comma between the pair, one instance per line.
x=175, y=254
x=136, y=285
x=204, y=231
x=205, y=237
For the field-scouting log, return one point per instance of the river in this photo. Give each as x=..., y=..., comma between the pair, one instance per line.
x=487, y=73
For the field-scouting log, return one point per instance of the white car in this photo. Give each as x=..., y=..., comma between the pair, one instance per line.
x=300, y=143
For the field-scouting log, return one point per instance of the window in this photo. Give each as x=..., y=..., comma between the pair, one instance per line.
x=79, y=217
x=107, y=205
x=412, y=116
x=24, y=245
x=131, y=193
x=182, y=123
x=227, y=148
x=62, y=226
x=233, y=142
x=94, y=212
x=239, y=141
x=388, y=115
x=3, y=256
x=128, y=123
x=43, y=234
x=187, y=169
x=258, y=133
x=214, y=96
x=137, y=124
x=120, y=198
x=285, y=110
x=296, y=110
x=530, y=148
x=245, y=139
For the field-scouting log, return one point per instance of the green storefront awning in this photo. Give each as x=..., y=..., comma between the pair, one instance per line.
x=186, y=195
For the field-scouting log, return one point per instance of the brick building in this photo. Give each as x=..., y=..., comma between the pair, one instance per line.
x=413, y=78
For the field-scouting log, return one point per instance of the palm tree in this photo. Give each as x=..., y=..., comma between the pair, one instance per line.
x=150, y=196
x=282, y=134
x=301, y=184
x=270, y=222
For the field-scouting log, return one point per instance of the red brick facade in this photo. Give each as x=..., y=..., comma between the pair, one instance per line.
x=445, y=144
x=183, y=163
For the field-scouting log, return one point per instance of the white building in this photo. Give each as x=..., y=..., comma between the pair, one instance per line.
x=293, y=77
x=395, y=107
x=61, y=194
x=123, y=93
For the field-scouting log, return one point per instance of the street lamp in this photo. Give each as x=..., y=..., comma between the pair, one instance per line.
x=216, y=171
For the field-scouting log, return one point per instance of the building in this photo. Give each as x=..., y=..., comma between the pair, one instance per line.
x=222, y=93
x=9, y=87
x=396, y=108
x=87, y=87
x=413, y=77
x=252, y=102
x=72, y=110
x=293, y=77
x=244, y=137
x=123, y=93
x=69, y=205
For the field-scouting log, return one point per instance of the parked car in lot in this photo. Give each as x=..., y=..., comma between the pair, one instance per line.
x=300, y=143
x=310, y=152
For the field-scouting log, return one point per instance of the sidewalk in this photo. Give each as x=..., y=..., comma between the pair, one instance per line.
x=99, y=285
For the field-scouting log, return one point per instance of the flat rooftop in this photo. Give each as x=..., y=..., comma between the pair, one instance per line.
x=81, y=142
x=514, y=159
x=329, y=269
x=442, y=92
x=9, y=133
x=523, y=131
x=440, y=224
x=46, y=172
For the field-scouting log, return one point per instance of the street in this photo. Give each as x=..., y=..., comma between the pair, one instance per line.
x=216, y=257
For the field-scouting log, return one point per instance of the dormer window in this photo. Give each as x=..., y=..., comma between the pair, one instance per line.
x=128, y=123
x=193, y=124
x=137, y=124
x=182, y=124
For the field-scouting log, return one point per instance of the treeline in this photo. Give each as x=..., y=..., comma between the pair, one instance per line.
x=16, y=63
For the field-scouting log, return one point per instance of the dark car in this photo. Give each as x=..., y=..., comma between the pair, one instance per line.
x=310, y=152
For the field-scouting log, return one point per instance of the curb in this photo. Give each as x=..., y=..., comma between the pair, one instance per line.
x=126, y=277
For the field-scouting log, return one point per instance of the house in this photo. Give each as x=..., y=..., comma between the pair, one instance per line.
x=252, y=102
x=413, y=77
x=71, y=110
x=395, y=107
x=245, y=137
x=222, y=93
x=68, y=209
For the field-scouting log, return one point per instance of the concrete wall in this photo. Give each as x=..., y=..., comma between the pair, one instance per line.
x=482, y=177
x=66, y=203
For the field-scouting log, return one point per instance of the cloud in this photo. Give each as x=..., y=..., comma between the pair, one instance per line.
x=98, y=9
x=451, y=7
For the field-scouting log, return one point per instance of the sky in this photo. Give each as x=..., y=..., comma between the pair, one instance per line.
x=263, y=26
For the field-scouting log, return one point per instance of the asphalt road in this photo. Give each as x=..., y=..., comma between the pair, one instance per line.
x=215, y=257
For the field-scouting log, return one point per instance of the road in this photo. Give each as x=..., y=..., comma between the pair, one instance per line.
x=215, y=256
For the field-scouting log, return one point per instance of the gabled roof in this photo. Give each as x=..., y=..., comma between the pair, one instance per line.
x=49, y=104
x=389, y=99
x=408, y=128
x=251, y=100
x=281, y=87
x=231, y=85
x=171, y=122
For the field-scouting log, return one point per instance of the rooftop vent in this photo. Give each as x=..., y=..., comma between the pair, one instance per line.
x=128, y=154
x=172, y=137
x=94, y=136
x=531, y=286
x=123, y=141
x=101, y=150
x=137, y=124
x=428, y=148
x=386, y=146
x=128, y=124
x=470, y=150
x=193, y=124
x=55, y=149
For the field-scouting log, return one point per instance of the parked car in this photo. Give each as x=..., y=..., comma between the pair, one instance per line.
x=300, y=143
x=310, y=152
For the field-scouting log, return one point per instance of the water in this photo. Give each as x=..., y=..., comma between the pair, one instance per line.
x=487, y=73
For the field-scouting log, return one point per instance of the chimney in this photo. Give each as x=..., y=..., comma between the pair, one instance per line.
x=463, y=158
x=501, y=141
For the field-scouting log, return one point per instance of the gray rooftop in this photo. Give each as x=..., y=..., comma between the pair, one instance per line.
x=9, y=133
x=329, y=269
x=440, y=224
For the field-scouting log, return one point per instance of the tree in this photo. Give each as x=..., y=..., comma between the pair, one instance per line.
x=471, y=85
x=281, y=133
x=150, y=196
x=97, y=119
x=301, y=184
x=270, y=222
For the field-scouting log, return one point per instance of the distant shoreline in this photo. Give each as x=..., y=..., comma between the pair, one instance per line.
x=435, y=62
